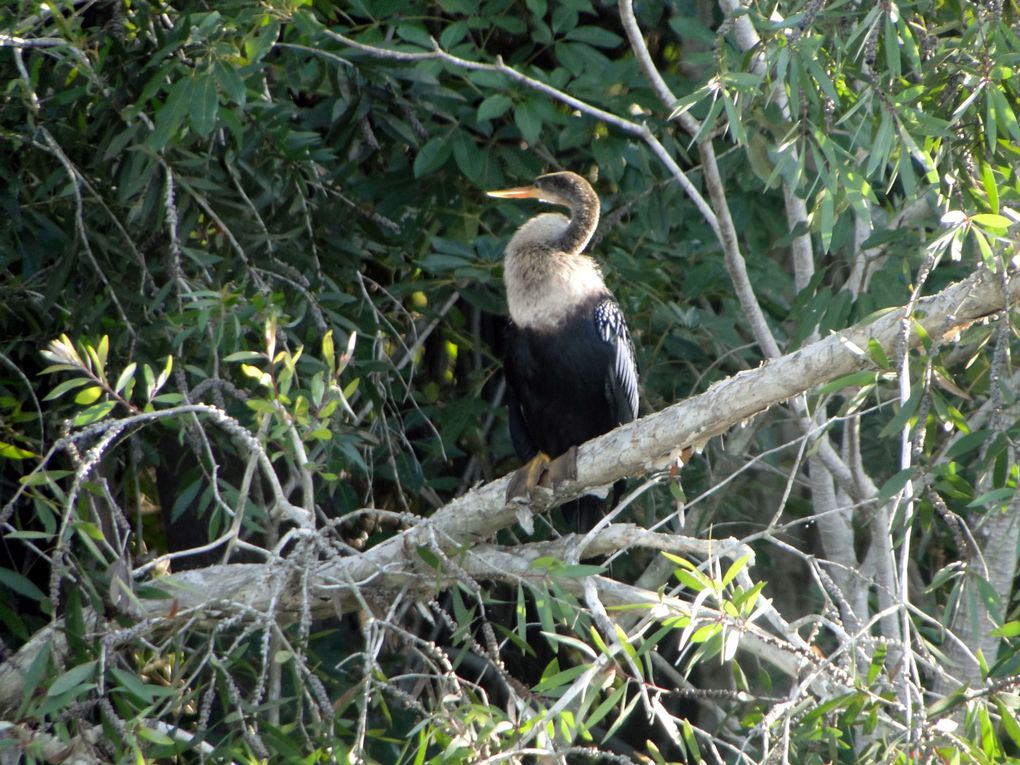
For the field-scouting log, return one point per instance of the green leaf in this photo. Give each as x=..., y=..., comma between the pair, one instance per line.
x=430, y=558
x=695, y=581
x=538, y=7
x=205, y=103
x=1007, y=630
x=432, y=156
x=735, y=568
x=36, y=671
x=564, y=18
x=745, y=600
x=125, y=377
x=256, y=48
x=895, y=426
x=544, y=611
x=171, y=115
x=94, y=413
x=891, y=43
x=855, y=380
x=736, y=127
x=561, y=678
x=878, y=153
x=991, y=220
x=894, y=485
x=968, y=443
x=27, y=535
x=993, y=497
x=156, y=737
x=90, y=529
x=131, y=683
x=416, y=35
x=469, y=158
x=685, y=103
x=676, y=490
x=65, y=386
x=242, y=356
x=230, y=81
x=528, y=118
x=877, y=663
x=597, y=36
x=43, y=477
x=708, y=124
x=987, y=256
x=1004, y=112
x=945, y=574
x=1009, y=721
x=72, y=678
x=453, y=34
x=20, y=584
x=103, y=351
x=494, y=106
x=603, y=709
x=12, y=452
x=877, y=354
x=169, y=398
x=991, y=124
x=691, y=740
x=88, y=396
x=991, y=190
x=580, y=571
x=826, y=218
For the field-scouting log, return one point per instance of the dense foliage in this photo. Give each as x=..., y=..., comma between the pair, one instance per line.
x=251, y=315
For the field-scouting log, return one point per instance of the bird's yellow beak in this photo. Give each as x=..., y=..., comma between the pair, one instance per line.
x=521, y=192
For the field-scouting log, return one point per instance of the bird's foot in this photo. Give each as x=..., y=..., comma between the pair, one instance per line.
x=542, y=471
x=526, y=478
x=563, y=468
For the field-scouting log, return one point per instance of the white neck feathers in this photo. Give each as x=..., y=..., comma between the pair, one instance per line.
x=543, y=283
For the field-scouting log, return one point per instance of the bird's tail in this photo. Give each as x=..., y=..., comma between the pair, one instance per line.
x=583, y=513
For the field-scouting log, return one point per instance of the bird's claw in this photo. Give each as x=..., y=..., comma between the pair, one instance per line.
x=527, y=477
x=541, y=472
x=561, y=469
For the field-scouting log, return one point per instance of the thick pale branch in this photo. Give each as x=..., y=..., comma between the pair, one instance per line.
x=648, y=444
x=645, y=445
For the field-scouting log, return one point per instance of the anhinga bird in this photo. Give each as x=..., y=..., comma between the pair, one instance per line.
x=569, y=360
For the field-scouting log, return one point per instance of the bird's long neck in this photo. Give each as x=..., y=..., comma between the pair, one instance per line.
x=546, y=282
x=584, y=219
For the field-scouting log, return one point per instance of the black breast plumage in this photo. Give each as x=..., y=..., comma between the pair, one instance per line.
x=571, y=382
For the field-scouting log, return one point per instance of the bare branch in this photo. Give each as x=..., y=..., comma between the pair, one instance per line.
x=629, y=127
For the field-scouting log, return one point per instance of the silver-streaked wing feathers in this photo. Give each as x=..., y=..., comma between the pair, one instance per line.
x=612, y=328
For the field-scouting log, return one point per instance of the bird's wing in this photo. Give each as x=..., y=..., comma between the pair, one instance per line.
x=520, y=436
x=623, y=383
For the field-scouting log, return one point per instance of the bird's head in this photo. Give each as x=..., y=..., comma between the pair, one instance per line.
x=563, y=188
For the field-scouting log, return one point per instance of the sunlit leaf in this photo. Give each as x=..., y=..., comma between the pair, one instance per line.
x=88, y=396
x=94, y=413
x=66, y=386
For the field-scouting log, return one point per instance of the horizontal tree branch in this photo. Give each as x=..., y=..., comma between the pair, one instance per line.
x=645, y=445
x=649, y=444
